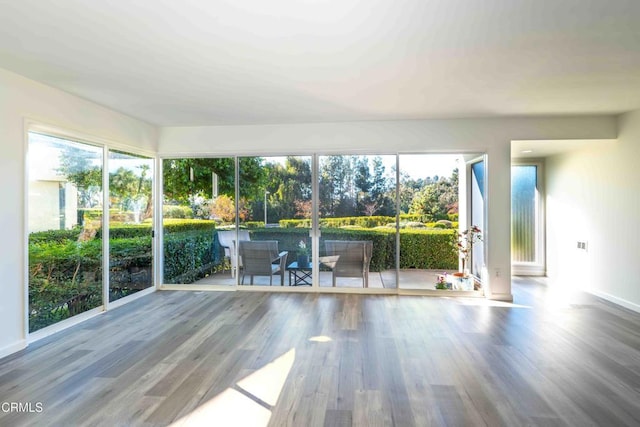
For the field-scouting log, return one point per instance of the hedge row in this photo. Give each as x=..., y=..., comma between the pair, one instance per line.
x=408, y=221
x=65, y=274
x=189, y=256
x=61, y=269
x=426, y=249
x=360, y=221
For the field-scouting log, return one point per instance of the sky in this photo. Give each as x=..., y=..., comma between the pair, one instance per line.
x=416, y=165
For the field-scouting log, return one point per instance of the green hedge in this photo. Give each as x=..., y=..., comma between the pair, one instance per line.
x=66, y=275
x=188, y=255
x=429, y=249
x=63, y=270
x=360, y=221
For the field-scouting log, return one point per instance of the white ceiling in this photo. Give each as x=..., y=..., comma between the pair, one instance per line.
x=544, y=148
x=219, y=62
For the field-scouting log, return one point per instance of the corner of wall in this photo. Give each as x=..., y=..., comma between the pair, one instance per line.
x=12, y=348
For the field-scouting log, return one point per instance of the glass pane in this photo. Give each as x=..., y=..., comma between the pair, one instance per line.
x=275, y=217
x=477, y=215
x=130, y=224
x=65, y=229
x=523, y=213
x=428, y=218
x=357, y=196
x=198, y=199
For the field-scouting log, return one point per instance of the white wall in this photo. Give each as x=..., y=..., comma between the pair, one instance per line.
x=21, y=99
x=593, y=195
x=492, y=136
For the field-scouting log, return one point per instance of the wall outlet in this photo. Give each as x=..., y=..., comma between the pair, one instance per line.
x=582, y=245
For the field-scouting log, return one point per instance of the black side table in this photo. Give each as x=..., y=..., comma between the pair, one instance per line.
x=299, y=274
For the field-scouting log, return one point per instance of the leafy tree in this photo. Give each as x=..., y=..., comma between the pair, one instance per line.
x=189, y=181
x=79, y=168
x=224, y=208
x=337, y=190
x=438, y=198
x=288, y=185
x=131, y=190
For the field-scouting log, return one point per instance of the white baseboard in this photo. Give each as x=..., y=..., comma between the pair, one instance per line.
x=12, y=348
x=619, y=301
x=132, y=297
x=500, y=297
x=528, y=270
x=64, y=324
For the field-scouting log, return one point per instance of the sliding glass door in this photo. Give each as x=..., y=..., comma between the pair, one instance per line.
x=274, y=219
x=198, y=209
x=429, y=209
x=357, y=219
x=130, y=223
x=66, y=216
x=65, y=223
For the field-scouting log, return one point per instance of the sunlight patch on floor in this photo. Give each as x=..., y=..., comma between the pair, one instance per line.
x=249, y=403
x=320, y=338
x=481, y=302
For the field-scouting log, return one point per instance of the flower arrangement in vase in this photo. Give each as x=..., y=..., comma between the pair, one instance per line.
x=466, y=240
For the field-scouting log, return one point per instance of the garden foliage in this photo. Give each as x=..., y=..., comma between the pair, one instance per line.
x=65, y=274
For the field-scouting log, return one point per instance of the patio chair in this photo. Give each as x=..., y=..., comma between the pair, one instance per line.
x=227, y=239
x=354, y=257
x=261, y=258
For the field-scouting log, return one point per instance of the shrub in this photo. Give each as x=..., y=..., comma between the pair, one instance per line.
x=188, y=256
x=445, y=223
x=295, y=223
x=58, y=236
x=179, y=225
x=189, y=253
x=411, y=217
x=360, y=221
x=428, y=249
x=175, y=211
x=414, y=224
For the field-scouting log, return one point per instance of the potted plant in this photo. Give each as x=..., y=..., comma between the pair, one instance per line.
x=441, y=282
x=466, y=240
x=303, y=254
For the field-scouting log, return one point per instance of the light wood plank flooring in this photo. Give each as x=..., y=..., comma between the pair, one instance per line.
x=232, y=358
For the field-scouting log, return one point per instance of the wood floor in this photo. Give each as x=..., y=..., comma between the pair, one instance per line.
x=234, y=358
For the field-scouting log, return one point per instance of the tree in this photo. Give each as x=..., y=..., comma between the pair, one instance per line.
x=190, y=181
x=185, y=178
x=77, y=166
x=131, y=191
x=438, y=198
x=337, y=186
